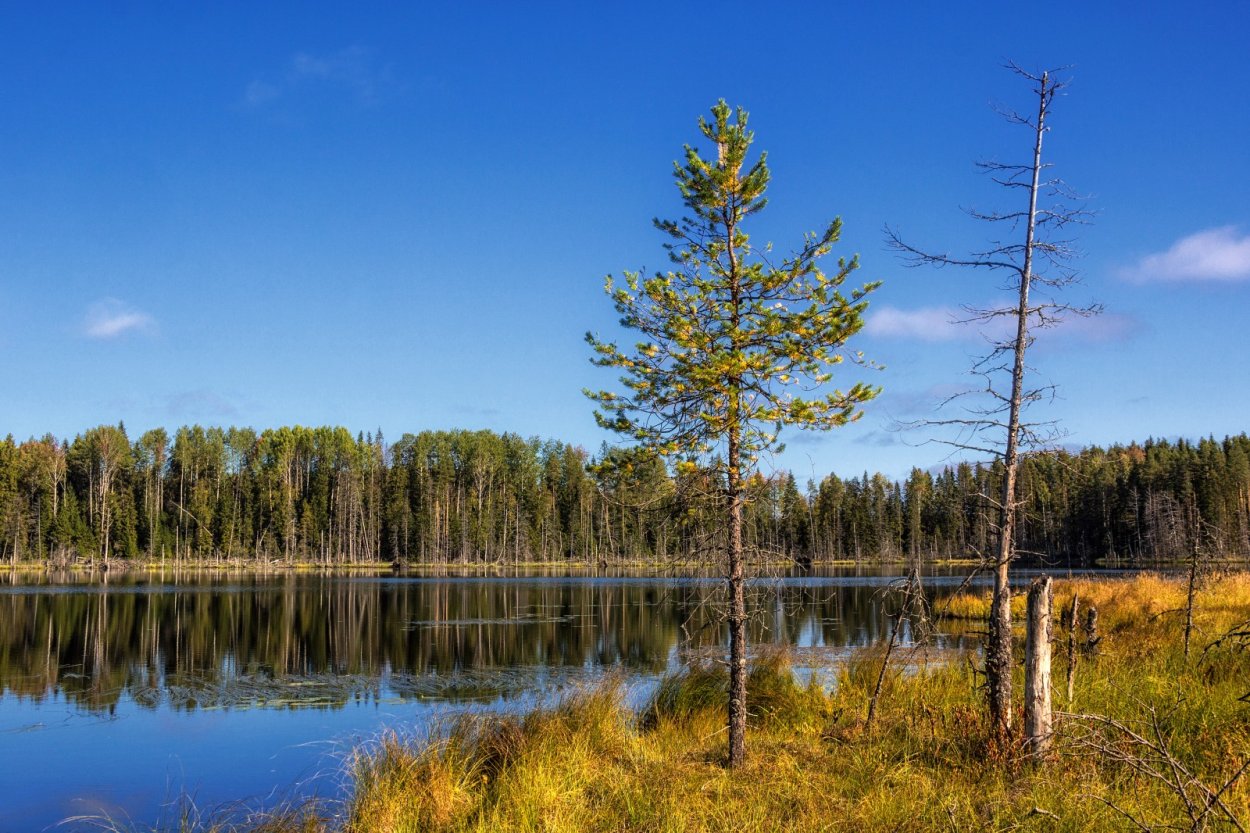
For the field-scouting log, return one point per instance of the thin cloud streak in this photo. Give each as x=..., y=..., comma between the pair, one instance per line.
x=948, y=324
x=111, y=318
x=925, y=324
x=198, y=403
x=1094, y=329
x=260, y=92
x=350, y=69
x=1217, y=255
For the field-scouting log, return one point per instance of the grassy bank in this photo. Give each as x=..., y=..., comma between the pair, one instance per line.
x=928, y=761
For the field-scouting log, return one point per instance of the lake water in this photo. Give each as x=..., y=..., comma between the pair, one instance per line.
x=131, y=698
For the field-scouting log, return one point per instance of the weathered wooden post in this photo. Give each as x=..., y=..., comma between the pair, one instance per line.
x=1037, y=713
x=1072, y=645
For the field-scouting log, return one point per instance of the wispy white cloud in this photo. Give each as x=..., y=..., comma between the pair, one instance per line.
x=260, y=92
x=110, y=318
x=879, y=439
x=949, y=324
x=1218, y=255
x=199, y=403
x=924, y=323
x=1096, y=329
x=352, y=70
x=908, y=403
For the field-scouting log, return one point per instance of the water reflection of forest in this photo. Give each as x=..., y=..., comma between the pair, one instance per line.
x=322, y=640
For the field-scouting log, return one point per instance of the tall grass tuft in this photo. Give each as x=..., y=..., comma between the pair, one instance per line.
x=701, y=688
x=398, y=787
x=776, y=699
x=774, y=696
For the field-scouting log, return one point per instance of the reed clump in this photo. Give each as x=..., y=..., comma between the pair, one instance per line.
x=929, y=761
x=775, y=698
x=969, y=605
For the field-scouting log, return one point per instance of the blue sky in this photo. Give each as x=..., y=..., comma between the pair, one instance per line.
x=281, y=214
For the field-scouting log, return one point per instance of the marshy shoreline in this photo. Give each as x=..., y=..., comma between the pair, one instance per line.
x=1151, y=738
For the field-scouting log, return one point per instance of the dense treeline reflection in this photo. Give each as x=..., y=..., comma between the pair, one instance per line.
x=323, y=640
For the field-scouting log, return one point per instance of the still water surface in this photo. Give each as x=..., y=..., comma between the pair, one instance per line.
x=127, y=698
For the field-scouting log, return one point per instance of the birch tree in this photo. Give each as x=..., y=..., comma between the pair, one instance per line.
x=109, y=457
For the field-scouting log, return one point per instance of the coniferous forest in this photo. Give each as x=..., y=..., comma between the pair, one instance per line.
x=324, y=496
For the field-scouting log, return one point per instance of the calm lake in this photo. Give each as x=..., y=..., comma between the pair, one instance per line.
x=131, y=697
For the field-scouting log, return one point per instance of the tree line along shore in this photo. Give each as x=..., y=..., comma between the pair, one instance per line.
x=323, y=496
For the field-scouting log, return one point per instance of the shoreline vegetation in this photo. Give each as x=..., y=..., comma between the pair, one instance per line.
x=238, y=566
x=322, y=496
x=671, y=565
x=760, y=568
x=1150, y=738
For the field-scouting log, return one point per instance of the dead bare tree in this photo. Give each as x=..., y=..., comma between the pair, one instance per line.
x=1036, y=264
x=913, y=607
x=1172, y=528
x=1147, y=750
x=1205, y=541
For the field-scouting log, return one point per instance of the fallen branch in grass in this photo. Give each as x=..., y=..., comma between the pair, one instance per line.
x=1147, y=751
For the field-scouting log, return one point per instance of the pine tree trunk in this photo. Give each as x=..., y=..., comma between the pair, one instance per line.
x=737, y=615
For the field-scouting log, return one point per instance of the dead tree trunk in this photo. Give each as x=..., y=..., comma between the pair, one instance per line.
x=885, y=664
x=998, y=652
x=1191, y=591
x=1072, y=616
x=997, y=426
x=1091, y=631
x=1037, y=712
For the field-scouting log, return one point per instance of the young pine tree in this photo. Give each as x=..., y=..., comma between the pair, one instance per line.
x=733, y=347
